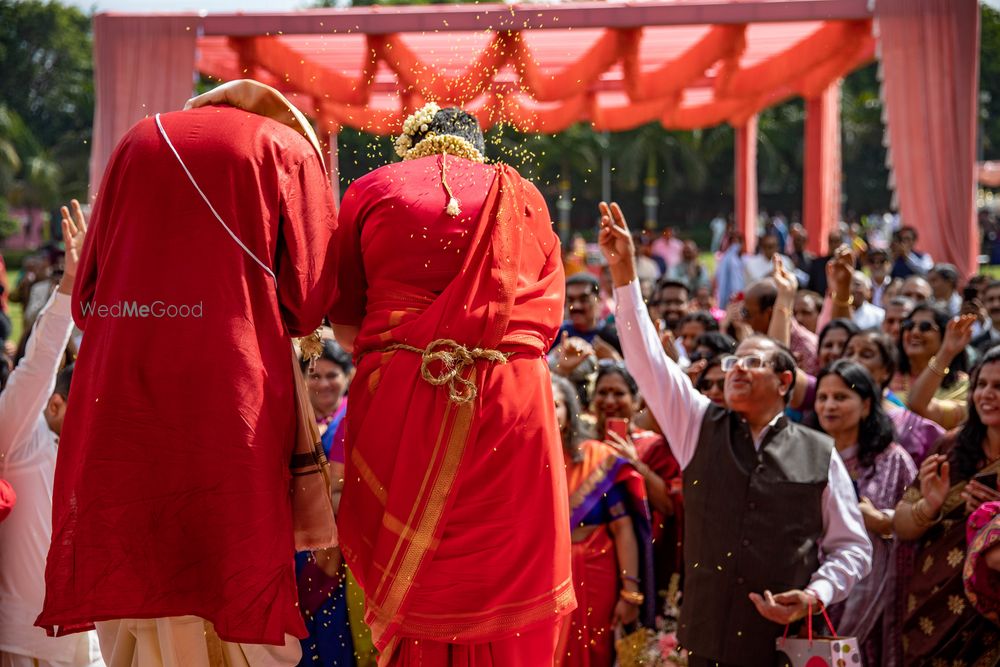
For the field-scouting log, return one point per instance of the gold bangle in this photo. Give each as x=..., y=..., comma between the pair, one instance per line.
x=846, y=303
x=921, y=517
x=635, y=599
x=937, y=370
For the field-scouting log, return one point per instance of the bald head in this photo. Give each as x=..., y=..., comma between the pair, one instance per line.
x=916, y=288
x=760, y=298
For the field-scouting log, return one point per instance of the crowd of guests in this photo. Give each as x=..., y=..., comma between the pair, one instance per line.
x=894, y=360
x=890, y=355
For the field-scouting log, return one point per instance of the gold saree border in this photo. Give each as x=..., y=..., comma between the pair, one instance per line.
x=436, y=488
x=578, y=495
x=459, y=627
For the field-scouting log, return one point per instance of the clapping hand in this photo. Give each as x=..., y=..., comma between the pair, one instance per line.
x=604, y=350
x=572, y=352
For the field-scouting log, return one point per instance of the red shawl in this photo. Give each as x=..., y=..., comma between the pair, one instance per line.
x=172, y=485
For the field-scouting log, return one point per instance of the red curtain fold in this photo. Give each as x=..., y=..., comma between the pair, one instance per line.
x=621, y=118
x=929, y=51
x=702, y=115
x=576, y=77
x=722, y=42
x=141, y=67
x=859, y=51
x=417, y=75
x=295, y=69
x=794, y=62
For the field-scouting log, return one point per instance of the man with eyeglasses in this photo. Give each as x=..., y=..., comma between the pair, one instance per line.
x=763, y=494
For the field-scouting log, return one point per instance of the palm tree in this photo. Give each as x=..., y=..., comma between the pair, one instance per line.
x=568, y=159
x=667, y=162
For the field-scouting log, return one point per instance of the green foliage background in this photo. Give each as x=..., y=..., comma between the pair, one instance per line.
x=47, y=105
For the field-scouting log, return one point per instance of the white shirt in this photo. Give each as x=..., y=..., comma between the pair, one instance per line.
x=868, y=316
x=845, y=550
x=757, y=266
x=28, y=462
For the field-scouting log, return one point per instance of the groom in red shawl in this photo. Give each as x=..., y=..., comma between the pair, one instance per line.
x=454, y=516
x=172, y=523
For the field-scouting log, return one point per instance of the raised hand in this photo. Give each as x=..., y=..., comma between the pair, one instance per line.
x=956, y=337
x=786, y=282
x=934, y=485
x=840, y=270
x=616, y=244
x=74, y=232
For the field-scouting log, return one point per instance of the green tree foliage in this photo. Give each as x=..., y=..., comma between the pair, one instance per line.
x=47, y=111
x=989, y=83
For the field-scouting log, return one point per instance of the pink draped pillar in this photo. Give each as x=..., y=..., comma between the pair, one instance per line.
x=930, y=69
x=821, y=196
x=142, y=65
x=746, y=182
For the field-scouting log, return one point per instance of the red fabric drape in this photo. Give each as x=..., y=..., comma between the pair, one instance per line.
x=930, y=92
x=141, y=67
x=821, y=196
x=746, y=182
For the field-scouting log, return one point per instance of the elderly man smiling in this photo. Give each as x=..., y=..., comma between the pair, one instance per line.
x=761, y=493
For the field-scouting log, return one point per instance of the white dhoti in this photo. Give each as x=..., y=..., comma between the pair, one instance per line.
x=185, y=641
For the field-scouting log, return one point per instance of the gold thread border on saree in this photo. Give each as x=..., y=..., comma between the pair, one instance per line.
x=421, y=526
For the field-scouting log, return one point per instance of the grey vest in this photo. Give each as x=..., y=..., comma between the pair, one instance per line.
x=753, y=522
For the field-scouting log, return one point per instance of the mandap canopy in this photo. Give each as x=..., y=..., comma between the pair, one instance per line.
x=683, y=63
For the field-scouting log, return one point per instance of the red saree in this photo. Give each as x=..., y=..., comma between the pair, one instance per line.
x=586, y=637
x=453, y=515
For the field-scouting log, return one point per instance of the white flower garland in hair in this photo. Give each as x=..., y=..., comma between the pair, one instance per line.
x=418, y=121
x=433, y=144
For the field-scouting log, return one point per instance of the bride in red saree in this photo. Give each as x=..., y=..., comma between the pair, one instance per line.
x=453, y=515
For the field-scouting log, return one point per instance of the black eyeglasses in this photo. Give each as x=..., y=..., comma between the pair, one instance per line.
x=706, y=384
x=922, y=326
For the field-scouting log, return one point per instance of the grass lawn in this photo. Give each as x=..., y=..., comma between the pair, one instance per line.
x=15, y=308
